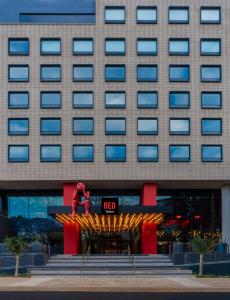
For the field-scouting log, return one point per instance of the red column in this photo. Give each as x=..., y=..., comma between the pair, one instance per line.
x=149, y=238
x=71, y=230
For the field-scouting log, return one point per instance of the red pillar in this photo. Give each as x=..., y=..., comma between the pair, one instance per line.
x=149, y=237
x=71, y=230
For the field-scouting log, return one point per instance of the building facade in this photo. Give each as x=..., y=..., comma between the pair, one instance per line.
x=129, y=97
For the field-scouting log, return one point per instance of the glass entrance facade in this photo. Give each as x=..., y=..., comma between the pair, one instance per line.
x=192, y=210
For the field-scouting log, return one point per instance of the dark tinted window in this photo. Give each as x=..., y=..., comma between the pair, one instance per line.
x=179, y=99
x=179, y=46
x=179, y=73
x=115, y=126
x=83, y=153
x=210, y=15
x=179, y=153
x=18, y=73
x=50, y=153
x=178, y=15
x=18, y=46
x=147, y=126
x=115, y=46
x=211, y=73
x=211, y=126
x=211, y=153
x=18, y=153
x=83, y=126
x=114, y=14
x=50, y=126
x=210, y=46
x=115, y=153
x=83, y=73
x=146, y=14
x=147, y=46
x=50, y=99
x=83, y=99
x=18, y=126
x=115, y=73
x=211, y=99
x=83, y=46
x=179, y=126
x=147, y=73
x=147, y=153
x=50, y=73
x=51, y=46
x=115, y=99
x=18, y=100
x=147, y=99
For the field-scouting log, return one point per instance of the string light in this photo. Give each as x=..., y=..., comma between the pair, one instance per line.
x=110, y=223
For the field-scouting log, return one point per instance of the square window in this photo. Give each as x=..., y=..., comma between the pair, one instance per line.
x=211, y=153
x=179, y=73
x=147, y=99
x=178, y=15
x=179, y=126
x=210, y=73
x=51, y=73
x=147, y=73
x=18, y=46
x=50, y=99
x=18, y=100
x=18, y=73
x=147, y=126
x=51, y=46
x=115, y=126
x=147, y=46
x=83, y=153
x=179, y=46
x=147, y=153
x=146, y=14
x=115, y=14
x=82, y=46
x=179, y=100
x=18, y=153
x=210, y=15
x=50, y=153
x=115, y=46
x=179, y=153
x=211, y=99
x=18, y=126
x=115, y=153
x=115, y=73
x=83, y=126
x=210, y=47
x=83, y=73
x=50, y=126
x=82, y=99
x=211, y=126
x=115, y=99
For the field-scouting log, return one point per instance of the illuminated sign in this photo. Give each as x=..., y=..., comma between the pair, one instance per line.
x=109, y=206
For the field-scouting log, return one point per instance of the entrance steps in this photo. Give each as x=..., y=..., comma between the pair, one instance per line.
x=109, y=265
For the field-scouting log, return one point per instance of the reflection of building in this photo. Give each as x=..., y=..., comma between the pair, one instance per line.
x=121, y=97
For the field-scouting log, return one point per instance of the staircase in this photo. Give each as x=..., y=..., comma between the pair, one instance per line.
x=109, y=265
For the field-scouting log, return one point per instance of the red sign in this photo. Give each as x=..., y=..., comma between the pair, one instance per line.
x=110, y=206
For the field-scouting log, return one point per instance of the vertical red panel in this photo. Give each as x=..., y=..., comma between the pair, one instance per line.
x=149, y=237
x=71, y=230
x=149, y=194
x=149, y=241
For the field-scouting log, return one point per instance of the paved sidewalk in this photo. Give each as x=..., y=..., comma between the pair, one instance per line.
x=125, y=284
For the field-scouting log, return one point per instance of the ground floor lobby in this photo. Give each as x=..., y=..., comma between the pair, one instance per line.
x=184, y=211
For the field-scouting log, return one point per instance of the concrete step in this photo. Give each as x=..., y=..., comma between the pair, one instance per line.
x=110, y=265
x=61, y=272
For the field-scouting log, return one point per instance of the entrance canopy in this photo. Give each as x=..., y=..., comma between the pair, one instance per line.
x=128, y=218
